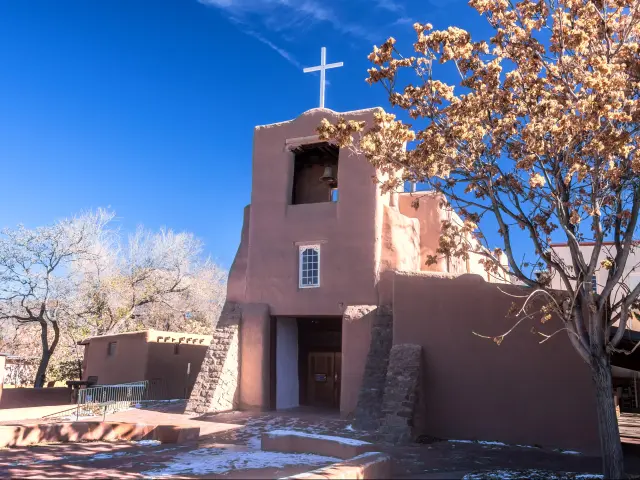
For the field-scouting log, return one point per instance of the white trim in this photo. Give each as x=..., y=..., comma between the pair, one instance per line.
x=309, y=243
x=301, y=250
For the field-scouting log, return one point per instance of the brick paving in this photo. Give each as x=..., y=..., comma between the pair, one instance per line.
x=239, y=433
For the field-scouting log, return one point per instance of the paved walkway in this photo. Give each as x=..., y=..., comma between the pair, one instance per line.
x=32, y=414
x=229, y=447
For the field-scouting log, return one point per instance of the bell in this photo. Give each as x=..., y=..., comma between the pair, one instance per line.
x=327, y=176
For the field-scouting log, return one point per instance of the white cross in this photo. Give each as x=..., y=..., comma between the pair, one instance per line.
x=322, y=67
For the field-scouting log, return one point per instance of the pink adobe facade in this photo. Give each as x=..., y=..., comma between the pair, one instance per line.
x=279, y=343
x=362, y=235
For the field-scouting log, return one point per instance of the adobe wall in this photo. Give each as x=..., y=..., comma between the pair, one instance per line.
x=164, y=363
x=237, y=280
x=255, y=357
x=129, y=364
x=520, y=392
x=34, y=397
x=430, y=217
x=346, y=229
x=357, y=323
x=34, y=434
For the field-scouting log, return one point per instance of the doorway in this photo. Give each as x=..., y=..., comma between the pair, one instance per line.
x=320, y=361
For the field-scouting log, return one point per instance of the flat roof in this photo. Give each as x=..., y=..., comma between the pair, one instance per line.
x=151, y=334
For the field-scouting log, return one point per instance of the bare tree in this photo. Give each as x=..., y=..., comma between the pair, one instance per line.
x=157, y=280
x=37, y=279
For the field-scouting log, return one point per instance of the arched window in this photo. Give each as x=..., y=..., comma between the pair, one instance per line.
x=309, y=266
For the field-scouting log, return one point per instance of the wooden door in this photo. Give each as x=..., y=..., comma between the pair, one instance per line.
x=324, y=379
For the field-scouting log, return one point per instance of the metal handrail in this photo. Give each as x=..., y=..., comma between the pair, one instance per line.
x=106, y=399
x=84, y=410
x=122, y=392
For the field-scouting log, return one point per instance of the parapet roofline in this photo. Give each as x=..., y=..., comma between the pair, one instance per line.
x=150, y=334
x=313, y=111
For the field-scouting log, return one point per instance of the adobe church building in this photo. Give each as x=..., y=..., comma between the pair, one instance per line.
x=330, y=304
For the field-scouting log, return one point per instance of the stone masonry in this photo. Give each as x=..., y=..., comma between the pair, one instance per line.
x=369, y=408
x=216, y=387
x=401, y=393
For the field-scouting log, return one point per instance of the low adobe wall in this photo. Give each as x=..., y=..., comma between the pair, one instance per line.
x=361, y=461
x=366, y=466
x=34, y=397
x=25, y=435
x=291, y=441
x=519, y=392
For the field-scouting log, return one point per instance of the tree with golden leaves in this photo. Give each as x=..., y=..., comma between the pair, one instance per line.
x=541, y=134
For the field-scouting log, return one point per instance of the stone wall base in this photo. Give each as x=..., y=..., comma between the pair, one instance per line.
x=369, y=408
x=216, y=388
x=401, y=393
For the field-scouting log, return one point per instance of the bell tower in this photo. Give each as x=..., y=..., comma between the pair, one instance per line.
x=314, y=214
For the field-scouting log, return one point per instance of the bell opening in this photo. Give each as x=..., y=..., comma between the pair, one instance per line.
x=315, y=175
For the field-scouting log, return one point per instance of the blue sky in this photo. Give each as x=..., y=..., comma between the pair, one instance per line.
x=148, y=107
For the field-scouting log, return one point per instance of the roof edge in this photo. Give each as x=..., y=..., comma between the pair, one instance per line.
x=314, y=111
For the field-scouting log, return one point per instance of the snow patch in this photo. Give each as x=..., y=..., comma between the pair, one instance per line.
x=480, y=442
x=255, y=443
x=105, y=456
x=211, y=461
x=148, y=442
x=295, y=433
x=531, y=474
x=349, y=428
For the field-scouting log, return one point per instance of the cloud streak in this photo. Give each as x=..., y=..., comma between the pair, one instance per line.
x=287, y=15
x=282, y=52
x=403, y=21
x=390, y=6
x=275, y=23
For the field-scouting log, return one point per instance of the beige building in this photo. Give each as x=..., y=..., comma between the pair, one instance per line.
x=625, y=380
x=169, y=361
x=630, y=276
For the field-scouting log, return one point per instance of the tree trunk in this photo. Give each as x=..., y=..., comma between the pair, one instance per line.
x=610, y=446
x=42, y=369
x=47, y=351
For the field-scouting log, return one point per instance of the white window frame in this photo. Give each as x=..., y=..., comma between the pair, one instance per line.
x=301, y=250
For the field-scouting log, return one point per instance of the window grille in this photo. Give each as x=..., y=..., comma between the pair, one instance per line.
x=309, y=266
